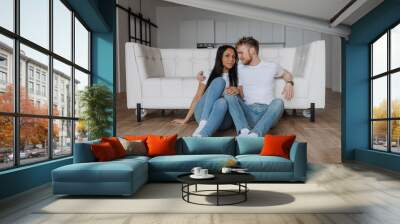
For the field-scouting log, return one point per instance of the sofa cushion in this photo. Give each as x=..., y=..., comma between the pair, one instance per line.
x=207, y=145
x=277, y=145
x=103, y=152
x=249, y=145
x=116, y=145
x=134, y=147
x=112, y=171
x=161, y=145
x=185, y=163
x=83, y=152
x=257, y=163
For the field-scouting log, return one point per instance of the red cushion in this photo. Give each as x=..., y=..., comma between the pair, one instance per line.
x=135, y=137
x=275, y=145
x=103, y=151
x=161, y=145
x=116, y=145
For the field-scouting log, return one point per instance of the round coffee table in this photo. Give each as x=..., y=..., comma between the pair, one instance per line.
x=238, y=179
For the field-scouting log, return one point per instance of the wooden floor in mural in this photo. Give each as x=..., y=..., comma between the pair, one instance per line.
x=322, y=137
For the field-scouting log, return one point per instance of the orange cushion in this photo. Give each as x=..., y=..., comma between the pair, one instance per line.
x=103, y=151
x=275, y=145
x=116, y=145
x=161, y=145
x=135, y=137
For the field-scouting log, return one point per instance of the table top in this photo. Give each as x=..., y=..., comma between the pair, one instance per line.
x=220, y=178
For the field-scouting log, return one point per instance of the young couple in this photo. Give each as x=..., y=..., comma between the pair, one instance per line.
x=239, y=94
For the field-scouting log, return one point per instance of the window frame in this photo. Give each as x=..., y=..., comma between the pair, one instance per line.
x=388, y=74
x=16, y=114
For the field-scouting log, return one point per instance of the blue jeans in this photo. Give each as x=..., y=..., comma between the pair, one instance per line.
x=213, y=108
x=258, y=118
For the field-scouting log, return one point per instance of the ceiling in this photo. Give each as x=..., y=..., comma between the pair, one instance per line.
x=313, y=15
x=319, y=9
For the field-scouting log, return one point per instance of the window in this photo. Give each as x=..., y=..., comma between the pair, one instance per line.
x=46, y=129
x=62, y=74
x=6, y=74
x=35, y=21
x=30, y=72
x=385, y=92
x=38, y=89
x=3, y=78
x=37, y=74
x=44, y=91
x=3, y=61
x=62, y=29
x=81, y=45
x=7, y=14
x=30, y=87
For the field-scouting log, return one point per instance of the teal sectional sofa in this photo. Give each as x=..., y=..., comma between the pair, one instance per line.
x=125, y=176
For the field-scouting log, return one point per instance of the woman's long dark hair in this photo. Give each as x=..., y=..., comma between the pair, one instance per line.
x=219, y=67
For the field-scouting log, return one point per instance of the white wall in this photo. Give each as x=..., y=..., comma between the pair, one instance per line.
x=183, y=27
x=148, y=10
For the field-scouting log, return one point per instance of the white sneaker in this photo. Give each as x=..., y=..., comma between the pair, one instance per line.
x=196, y=132
x=244, y=132
x=252, y=134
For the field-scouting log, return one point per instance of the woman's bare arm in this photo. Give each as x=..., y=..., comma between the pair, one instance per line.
x=199, y=93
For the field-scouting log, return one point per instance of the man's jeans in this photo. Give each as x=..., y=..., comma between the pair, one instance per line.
x=258, y=118
x=213, y=108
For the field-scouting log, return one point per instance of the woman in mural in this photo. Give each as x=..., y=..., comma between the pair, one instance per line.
x=208, y=105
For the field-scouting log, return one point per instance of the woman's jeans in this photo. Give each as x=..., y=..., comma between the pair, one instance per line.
x=213, y=108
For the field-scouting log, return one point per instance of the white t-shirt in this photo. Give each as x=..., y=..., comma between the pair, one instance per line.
x=258, y=81
x=225, y=76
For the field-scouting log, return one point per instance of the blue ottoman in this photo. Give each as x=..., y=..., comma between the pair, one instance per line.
x=118, y=177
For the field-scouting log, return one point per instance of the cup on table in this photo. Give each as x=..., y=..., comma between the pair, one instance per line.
x=203, y=172
x=226, y=170
x=196, y=171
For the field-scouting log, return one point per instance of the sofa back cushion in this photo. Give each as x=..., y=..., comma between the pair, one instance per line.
x=207, y=145
x=104, y=151
x=116, y=146
x=83, y=152
x=249, y=145
x=161, y=145
x=149, y=62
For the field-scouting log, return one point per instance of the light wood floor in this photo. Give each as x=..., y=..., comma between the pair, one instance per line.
x=379, y=190
x=322, y=137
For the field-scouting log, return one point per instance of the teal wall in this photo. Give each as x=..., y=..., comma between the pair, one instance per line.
x=355, y=95
x=99, y=16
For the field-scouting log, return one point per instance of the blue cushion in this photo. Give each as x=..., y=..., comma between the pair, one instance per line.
x=207, y=145
x=249, y=145
x=257, y=163
x=83, y=153
x=185, y=163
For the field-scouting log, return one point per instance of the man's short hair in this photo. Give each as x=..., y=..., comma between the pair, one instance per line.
x=249, y=41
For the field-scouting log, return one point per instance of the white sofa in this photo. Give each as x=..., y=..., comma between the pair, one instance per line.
x=166, y=78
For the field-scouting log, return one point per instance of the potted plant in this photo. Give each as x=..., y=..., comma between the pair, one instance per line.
x=96, y=103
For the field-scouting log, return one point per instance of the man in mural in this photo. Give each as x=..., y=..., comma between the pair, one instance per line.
x=252, y=105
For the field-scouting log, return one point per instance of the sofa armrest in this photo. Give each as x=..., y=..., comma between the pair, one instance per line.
x=83, y=152
x=298, y=155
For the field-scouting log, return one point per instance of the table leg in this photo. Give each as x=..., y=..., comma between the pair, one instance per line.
x=217, y=194
x=196, y=188
x=245, y=193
